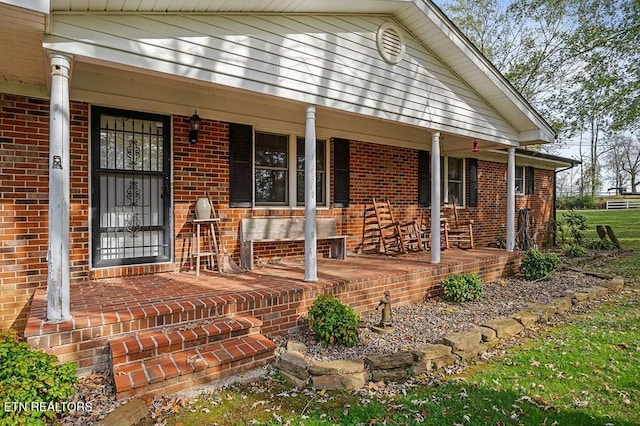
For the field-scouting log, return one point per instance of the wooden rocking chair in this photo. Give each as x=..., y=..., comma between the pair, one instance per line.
x=460, y=231
x=425, y=231
x=395, y=237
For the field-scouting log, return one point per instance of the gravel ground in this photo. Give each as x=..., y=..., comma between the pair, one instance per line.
x=414, y=325
x=427, y=322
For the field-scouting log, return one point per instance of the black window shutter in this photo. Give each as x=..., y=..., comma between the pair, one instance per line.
x=530, y=181
x=240, y=167
x=340, y=172
x=473, y=182
x=424, y=178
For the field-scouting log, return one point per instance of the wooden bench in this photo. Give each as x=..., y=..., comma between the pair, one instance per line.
x=275, y=229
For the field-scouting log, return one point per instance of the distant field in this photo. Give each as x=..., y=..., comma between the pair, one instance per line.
x=625, y=223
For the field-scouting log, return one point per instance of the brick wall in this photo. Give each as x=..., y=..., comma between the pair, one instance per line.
x=376, y=170
x=24, y=191
x=490, y=217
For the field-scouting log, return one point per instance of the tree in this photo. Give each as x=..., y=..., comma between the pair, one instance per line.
x=624, y=157
x=576, y=61
x=614, y=160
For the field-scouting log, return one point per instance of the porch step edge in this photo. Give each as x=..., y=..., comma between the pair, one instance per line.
x=153, y=342
x=135, y=378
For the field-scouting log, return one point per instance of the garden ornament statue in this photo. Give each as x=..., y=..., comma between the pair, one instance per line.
x=386, y=322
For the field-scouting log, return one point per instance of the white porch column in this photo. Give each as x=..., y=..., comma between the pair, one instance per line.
x=310, y=237
x=59, y=164
x=435, y=197
x=511, y=200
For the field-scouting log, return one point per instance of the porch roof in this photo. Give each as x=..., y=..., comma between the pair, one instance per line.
x=423, y=20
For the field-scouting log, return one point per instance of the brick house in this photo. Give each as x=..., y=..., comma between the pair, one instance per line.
x=100, y=169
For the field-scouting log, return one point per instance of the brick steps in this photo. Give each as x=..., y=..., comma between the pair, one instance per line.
x=152, y=343
x=165, y=361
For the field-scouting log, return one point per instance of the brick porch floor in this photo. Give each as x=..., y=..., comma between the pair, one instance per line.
x=276, y=295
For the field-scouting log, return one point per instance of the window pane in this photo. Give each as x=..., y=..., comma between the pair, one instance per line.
x=271, y=166
x=455, y=192
x=519, y=180
x=320, y=171
x=320, y=186
x=455, y=169
x=271, y=186
x=271, y=150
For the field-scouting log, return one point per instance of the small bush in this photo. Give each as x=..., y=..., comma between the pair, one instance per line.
x=537, y=265
x=31, y=376
x=599, y=245
x=462, y=288
x=576, y=224
x=333, y=322
x=573, y=250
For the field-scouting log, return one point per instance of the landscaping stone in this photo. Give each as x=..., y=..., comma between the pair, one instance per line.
x=614, y=285
x=294, y=345
x=425, y=356
x=577, y=296
x=504, y=327
x=293, y=380
x=463, y=340
x=445, y=361
x=340, y=381
x=471, y=352
x=390, y=367
x=391, y=375
x=336, y=367
x=340, y=374
x=430, y=352
x=543, y=311
x=294, y=364
x=591, y=292
x=126, y=415
x=488, y=334
x=389, y=361
x=527, y=318
x=601, y=291
x=562, y=304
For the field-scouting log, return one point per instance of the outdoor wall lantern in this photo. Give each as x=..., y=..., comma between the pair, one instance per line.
x=474, y=147
x=194, y=125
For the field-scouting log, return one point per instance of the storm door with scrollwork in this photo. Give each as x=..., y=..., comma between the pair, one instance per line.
x=130, y=195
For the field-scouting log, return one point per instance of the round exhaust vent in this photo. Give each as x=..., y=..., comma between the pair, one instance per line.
x=390, y=43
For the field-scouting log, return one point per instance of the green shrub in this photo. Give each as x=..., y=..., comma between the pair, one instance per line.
x=573, y=250
x=537, y=265
x=599, y=245
x=462, y=288
x=29, y=376
x=333, y=322
x=576, y=224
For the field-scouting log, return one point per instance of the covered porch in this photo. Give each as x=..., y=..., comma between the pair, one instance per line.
x=275, y=297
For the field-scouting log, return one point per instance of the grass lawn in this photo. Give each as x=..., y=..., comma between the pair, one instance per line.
x=626, y=225
x=582, y=373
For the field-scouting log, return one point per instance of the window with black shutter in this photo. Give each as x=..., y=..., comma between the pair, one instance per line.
x=529, y=181
x=424, y=179
x=340, y=172
x=473, y=182
x=240, y=165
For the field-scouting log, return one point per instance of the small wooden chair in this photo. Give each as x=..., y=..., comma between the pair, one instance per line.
x=460, y=231
x=395, y=237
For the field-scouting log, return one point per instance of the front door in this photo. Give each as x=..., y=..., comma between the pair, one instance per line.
x=130, y=195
